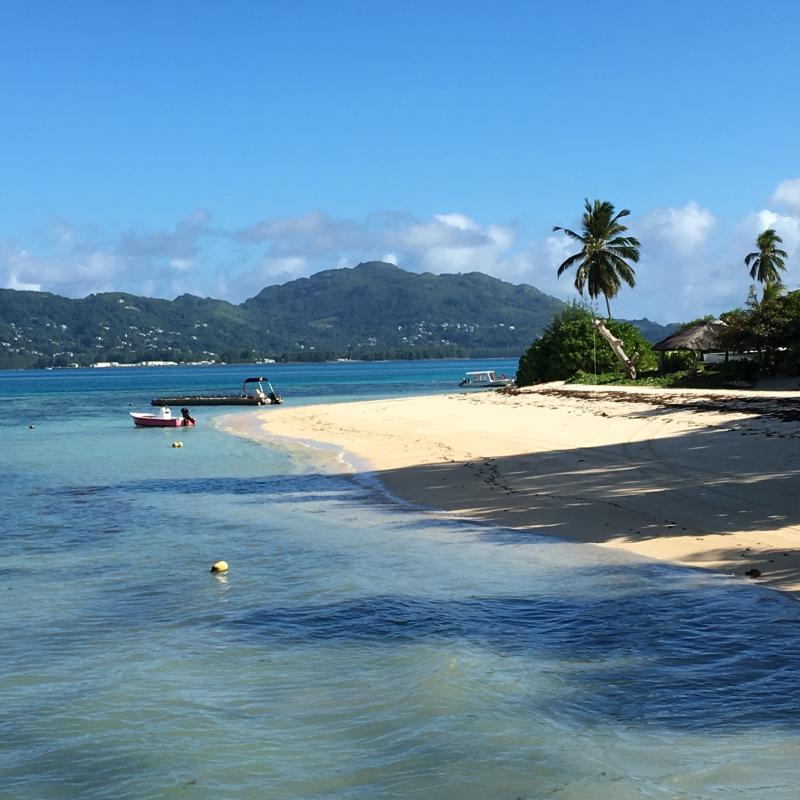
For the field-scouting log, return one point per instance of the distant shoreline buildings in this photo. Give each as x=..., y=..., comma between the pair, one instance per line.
x=109, y=364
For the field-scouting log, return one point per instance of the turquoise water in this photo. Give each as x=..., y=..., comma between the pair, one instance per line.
x=356, y=649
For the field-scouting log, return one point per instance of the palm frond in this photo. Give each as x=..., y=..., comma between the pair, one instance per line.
x=767, y=262
x=623, y=270
x=627, y=241
x=569, y=262
x=602, y=263
x=571, y=234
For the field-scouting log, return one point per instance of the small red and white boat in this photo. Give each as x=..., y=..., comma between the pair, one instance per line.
x=163, y=419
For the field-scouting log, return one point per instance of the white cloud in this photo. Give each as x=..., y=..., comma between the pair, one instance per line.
x=680, y=231
x=439, y=233
x=456, y=220
x=292, y=266
x=689, y=265
x=456, y=243
x=712, y=278
x=181, y=243
x=250, y=280
x=788, y=193
x=786, y=226
x=447, y=242
x=76, y=261
x=15, y=283
x=313, y=233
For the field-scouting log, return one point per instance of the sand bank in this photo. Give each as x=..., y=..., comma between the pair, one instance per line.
x=707, y=479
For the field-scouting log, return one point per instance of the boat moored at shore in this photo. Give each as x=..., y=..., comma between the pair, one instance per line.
x=252, y=394
x=163, y=419
x=484, y=379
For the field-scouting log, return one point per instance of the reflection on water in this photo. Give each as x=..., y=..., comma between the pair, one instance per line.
x=354, y=649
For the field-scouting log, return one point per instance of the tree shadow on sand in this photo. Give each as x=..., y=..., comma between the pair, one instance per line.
x=711, y=481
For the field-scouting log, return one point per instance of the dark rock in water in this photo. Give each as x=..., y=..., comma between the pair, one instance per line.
x=753, y=573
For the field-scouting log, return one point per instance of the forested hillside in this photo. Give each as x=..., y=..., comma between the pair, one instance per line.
x=372, y=311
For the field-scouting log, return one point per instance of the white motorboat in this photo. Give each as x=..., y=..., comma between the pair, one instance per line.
x=484, y=379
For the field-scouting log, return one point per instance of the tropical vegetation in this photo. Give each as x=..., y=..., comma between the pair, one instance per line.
x=571, y=344
x=769, y=331
x=764, y=336
x=767, y=263
x=602, y=264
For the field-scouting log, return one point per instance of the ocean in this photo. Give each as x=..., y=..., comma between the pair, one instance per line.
x=357, y=649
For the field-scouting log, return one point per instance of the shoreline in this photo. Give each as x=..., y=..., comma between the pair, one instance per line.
x=697, y=478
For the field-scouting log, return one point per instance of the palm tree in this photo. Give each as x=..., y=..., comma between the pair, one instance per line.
x=765, y=264
x=603, y=258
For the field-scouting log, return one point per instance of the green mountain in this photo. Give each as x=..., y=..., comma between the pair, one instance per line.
x=378, y=306
x=654, y=331
x=372, y=311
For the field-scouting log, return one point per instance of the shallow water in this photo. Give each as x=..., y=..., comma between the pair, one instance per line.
x=356, y=649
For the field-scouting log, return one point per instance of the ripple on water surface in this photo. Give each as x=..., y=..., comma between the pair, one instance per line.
x=355, y=649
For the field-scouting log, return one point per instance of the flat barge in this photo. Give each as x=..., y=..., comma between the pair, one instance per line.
x=252, y=394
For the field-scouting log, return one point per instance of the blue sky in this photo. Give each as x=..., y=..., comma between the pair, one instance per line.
x=163, y=147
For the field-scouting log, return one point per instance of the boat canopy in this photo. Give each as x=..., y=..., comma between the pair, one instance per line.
x=486, y=374
x=258, y=390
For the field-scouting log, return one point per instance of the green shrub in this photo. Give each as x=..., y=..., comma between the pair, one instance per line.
x=739, y=370
x=570, y=343
x=677, y=361
x=791, y=361
x=581, y=376
x=650, y=378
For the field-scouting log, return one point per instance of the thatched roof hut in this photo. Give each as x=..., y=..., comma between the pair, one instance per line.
x=701, y=338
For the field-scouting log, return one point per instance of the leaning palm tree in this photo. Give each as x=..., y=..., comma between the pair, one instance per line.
x=602, y=263
x=767, y=262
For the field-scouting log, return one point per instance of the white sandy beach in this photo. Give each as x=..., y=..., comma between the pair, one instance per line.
x=706, y=479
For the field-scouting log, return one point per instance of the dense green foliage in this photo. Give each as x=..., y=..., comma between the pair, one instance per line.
x=378, y=305
x=570, y=343
x=768, y=330
x=678, y=361
x=762, y=339
x=724, y=376
x=373, y=311
x=601, y=265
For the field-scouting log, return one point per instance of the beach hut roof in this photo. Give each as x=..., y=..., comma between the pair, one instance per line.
x=703, y=337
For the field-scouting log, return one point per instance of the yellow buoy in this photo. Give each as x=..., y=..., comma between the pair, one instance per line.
x=219, y=566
